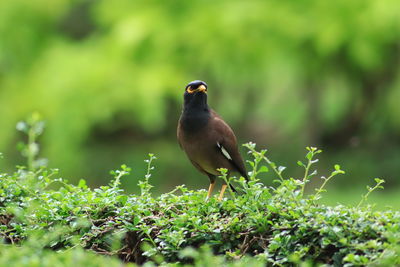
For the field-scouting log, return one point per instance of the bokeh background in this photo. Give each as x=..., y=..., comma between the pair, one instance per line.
x=108, y=77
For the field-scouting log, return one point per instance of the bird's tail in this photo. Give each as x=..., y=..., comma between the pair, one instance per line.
x=233, y=188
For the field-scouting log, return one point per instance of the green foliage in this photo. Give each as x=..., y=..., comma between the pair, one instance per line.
x=277, y=225
x=26, y=256
x=371, y=189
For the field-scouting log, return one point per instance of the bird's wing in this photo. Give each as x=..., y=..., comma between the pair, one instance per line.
x=228, y=145
x=178, y=133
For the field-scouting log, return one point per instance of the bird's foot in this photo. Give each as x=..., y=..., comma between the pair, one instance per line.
x=221, y=194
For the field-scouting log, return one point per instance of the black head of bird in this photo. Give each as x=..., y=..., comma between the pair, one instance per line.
x=196, y=86
x=208, y=141
x=195, y=96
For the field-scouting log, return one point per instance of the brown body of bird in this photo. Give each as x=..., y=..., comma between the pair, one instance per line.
x=208, y=141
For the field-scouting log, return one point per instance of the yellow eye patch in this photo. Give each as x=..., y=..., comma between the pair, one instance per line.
x=190, y=91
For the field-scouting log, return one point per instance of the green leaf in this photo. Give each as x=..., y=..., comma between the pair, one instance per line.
x=122, y=199
x=82, y=184
x=263, y=169
x=300, y=163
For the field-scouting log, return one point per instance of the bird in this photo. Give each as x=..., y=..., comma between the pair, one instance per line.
x=206, y=138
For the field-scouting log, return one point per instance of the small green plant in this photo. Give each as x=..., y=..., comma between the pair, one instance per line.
x=371, y=189
x=300, y=183
x=260, y=156
x=145, y=185
x=118, y=174
x=312, y=152
x=322, y=189
x=33, y=127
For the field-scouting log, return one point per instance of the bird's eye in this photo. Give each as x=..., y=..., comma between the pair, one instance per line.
x=190, y=90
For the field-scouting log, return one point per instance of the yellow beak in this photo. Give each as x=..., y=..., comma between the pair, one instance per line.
x=202, y=88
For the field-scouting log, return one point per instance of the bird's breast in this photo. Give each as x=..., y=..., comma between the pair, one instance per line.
x=192, y=122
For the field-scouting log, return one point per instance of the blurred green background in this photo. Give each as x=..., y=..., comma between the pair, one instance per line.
x=108, y=77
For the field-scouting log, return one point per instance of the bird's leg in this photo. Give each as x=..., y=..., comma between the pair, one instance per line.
x=221, y=194
x=210, y=189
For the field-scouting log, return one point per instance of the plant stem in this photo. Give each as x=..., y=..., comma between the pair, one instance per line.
x=31, y=154
x=305, y=177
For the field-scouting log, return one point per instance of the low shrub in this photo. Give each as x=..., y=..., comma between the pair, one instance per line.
x=276, y=226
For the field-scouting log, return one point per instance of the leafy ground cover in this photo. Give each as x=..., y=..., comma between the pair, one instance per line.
x=45, y=219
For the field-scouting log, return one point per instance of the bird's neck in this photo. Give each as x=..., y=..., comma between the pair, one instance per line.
x=196, y=102
x=196, y=112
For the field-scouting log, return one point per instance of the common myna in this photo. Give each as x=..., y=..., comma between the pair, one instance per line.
x=207, y=140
